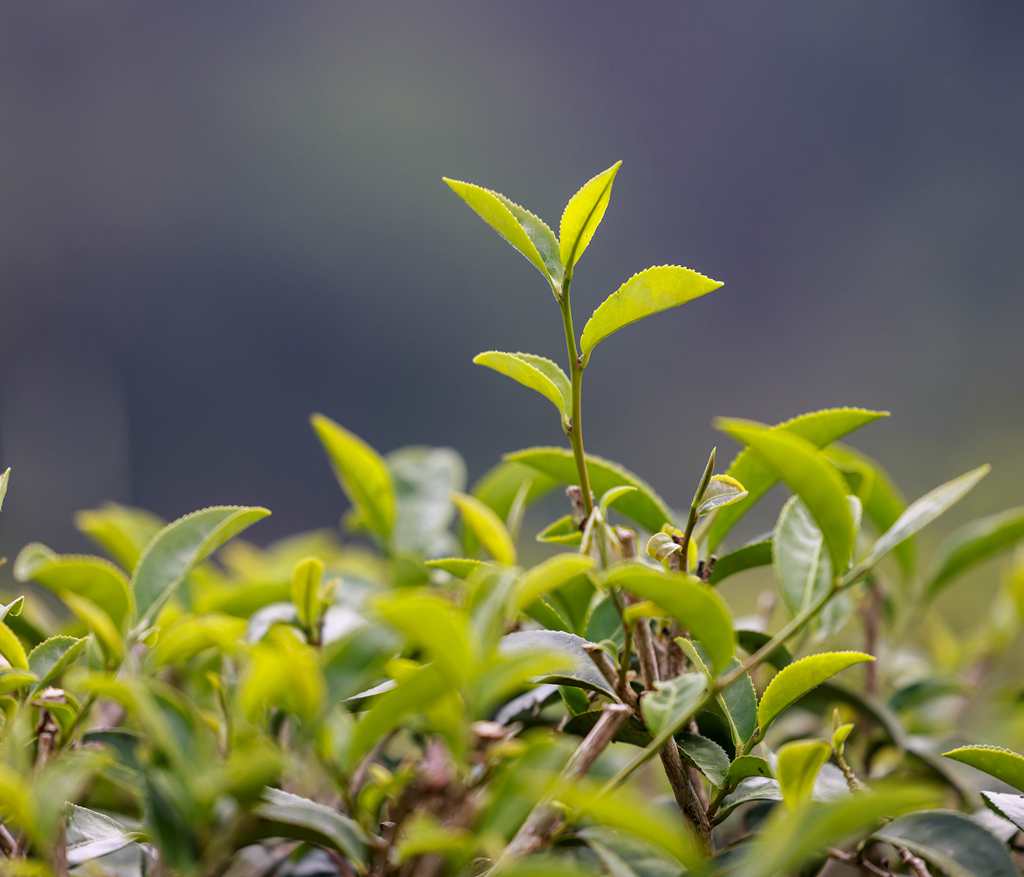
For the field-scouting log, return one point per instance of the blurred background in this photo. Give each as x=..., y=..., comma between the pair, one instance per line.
x=217, y=218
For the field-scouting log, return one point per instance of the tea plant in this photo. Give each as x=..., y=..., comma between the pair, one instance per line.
x=432, y=706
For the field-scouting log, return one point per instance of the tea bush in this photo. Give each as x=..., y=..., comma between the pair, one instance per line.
x=188, y=703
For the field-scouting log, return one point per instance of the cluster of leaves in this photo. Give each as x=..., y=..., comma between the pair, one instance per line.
x=434, y=706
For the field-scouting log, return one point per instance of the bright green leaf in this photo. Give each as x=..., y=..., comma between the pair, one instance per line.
x=460, y=567
x=518, y=226
x=698, y=608
x=534, y=372
x=92, y=578
x=99, y=624
x=797, y=768
x=12, y=649
x=648, y=292
x=722, y=491
x=181, y=545
x=922, y=512
x=820, y=428
x=1003, y=764
x=362, y=473
x=810, y=476
x=562, y=531
x=306, y=581
x=747, y=766
x=487, y=527
x=583, y=214
x=794, y=681
x=547, y=577
x=121, y=531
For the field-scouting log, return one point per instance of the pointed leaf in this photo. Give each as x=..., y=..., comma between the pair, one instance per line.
x=643, y=505
x=11, y=648
x=797, y=768
x=672, y=701
x=705, y=755
x=722, y=491
x=460, y=567
x=487, y=527
x=121, y=531
x=794, y=681
x=820, y=428
x=922, y=512
x=53, y=656
x=92, y=578
x=288, y=815
x=362, y=473
x=547, y=577
x=810, y=476
x=583, y=214
x=181, y=545
x=535, y=372
x=1003, y=764
x=698, y=608
x=975, y=543
x=306, y=580
x=563, y=531
x=1007, y=805
x=517, y=225
x=648, y=292
x=952, y=842
x=100, y=625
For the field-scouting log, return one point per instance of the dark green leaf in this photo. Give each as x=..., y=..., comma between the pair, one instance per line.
x=579, y=669
x=1007, y=805
x=753, y=555
x=288, y=815
x=705, y=755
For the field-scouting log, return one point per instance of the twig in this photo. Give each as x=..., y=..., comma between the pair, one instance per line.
x=542, y=822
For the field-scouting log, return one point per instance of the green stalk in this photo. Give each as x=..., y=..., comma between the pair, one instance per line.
x=574, y=430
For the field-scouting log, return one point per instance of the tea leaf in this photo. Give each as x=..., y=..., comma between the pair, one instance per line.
x=922, y=512
x=787, y=840
x=487, y=527
x=121, y=531
x=750, y=556
x=563, y=531
x=91, y=835
x=1009, y=806
x=952, y=842
x=646, y=293
x=362, y=473
x=975, y=543
x=643, y=506
x=306, y=581
x=99, y=624
x=191, y=635
x=722, y=491
x=297, y=818
x=460, y=567
x=794, y=681
x=747, y=766
x=11, y=648
x=53, y=656
x=698, y=608
x=797, y=768
x=1003, y=764
x=583, y=214
x=92, y=578
x=179, y=546
x=810, y=476
x=534, y=372
x=518, y=226
x=820, y=428
x=548, y=576
x=705, y=755
x=579, y=669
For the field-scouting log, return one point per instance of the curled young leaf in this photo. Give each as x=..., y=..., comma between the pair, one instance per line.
x=722, y=491
x=797, y=768
x=646, y=293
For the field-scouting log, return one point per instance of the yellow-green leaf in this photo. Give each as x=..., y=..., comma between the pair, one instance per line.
x=794, y=681
x=306, y=579
x=535, y=372
x=487, y=527
x=522, y=229
x=698, y=608
x=583, y=214
x=548, y=576
x=362, y=473
x=643, y=505
x=810, y=476
x=797, y=768
x=563, y=531
x=460, y=567
x=12, y=649
x=820, y=428
x=1004, y=764
x=976, y=543
x=121, y=531
x=648, y=292
x=92, y=578
x=181, y=545
x=192, y=634
x=99, y=624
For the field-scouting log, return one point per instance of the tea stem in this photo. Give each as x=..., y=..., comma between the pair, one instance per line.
x=575, y=427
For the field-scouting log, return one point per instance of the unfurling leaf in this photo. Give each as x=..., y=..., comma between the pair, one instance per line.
x=810, y=476
x=794, y=681
x=306, y=580
x=535, y=372
x=583, y=214
x=362, y=473
x=648, y=292
x=517, y=225
x=722, y=491
x=486, y=527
